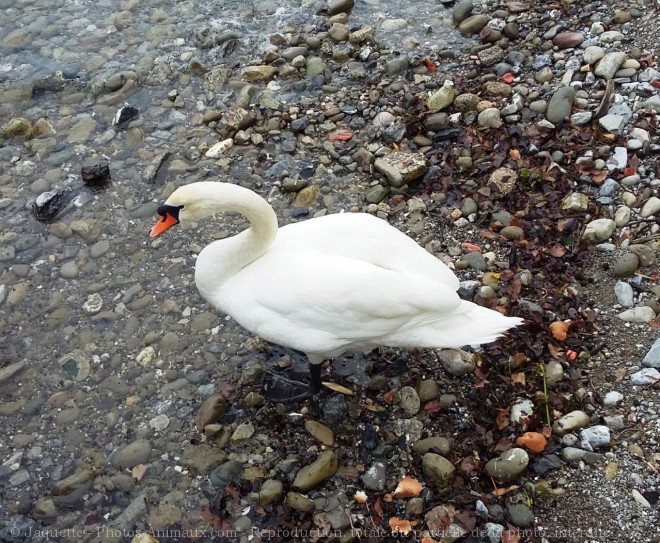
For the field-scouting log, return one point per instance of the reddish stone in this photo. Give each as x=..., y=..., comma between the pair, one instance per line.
x=566, y=40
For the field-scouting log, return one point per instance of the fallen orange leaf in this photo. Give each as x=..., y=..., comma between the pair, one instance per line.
x=514, y=154
x=400, y=526
x=341, y=136
x=508, y=78
x=558, y=330
x=534, y=441
x=557, y=250
x=360, y=497
x=408, y=487
x=571, y=355
x=502, y=419
x=471, y=247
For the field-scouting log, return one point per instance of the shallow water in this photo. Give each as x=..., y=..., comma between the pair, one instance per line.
x=105, y=325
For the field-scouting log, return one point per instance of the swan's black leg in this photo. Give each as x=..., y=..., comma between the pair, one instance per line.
x=314, y=378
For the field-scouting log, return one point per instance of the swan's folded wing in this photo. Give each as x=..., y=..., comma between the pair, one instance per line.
x=332, y=299
x=364, y=237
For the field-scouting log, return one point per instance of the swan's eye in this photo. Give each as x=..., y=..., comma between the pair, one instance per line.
x=165, y=209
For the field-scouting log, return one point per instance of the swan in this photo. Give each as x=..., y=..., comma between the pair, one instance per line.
x=347, y=282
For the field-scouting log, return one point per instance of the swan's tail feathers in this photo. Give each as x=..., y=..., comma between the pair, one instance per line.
x=471, y=325
x=489, y=325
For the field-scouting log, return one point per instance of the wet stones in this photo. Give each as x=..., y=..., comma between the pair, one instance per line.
x=82, y=130
x=49, y=204
x=80, y=480
x=131, y=455
x=125, y=115
x=17, y=127
x=96, y=173
x=258, y=73
x=339, y=6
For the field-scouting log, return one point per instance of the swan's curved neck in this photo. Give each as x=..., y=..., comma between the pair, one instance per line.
x=222, y=259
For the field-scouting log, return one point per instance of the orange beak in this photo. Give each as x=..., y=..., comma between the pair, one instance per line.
x=165, y=223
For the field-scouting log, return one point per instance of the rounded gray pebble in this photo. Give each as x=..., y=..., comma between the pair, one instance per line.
x=69, y=270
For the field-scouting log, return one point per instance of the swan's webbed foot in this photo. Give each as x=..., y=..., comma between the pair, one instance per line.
x=280, y=388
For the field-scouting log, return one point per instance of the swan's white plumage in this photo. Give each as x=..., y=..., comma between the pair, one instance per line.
x=333, y=284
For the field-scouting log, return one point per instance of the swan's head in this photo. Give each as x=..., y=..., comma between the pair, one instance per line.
x=193, y=202
x=179, y=207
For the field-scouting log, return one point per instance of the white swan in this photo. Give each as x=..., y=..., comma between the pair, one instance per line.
x=328, y=285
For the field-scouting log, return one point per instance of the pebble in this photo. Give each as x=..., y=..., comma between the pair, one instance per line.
x=129, y=456
x=508, y=466
x=599, y=230
x=473, y=24
x=651, y=359
x=462, y=10
x=401, y=167
x=435, y=444
x=570, y=422
x=560, y=105
x=457, y=362
x=312, y=475
x=593, y=54
x=93, y=304
x=651, y=207
x=554, y=373
x=271, y=491
x=69, y=270
x=228, y=472
x=521, y=515
x=490, y=118
x=437, y=469
x=99, y=248
x=410, y=402
x=612, y=123
x=320, y=432
x=624, y=294
x=375, y=477
x=595, y=437
x=640, y=500
x=622, y=216
x=646, y=376
x=612, y=398
x=210, y=411
x=609, y=64
x=638, y=314
x=442, y=98
x=626, y=265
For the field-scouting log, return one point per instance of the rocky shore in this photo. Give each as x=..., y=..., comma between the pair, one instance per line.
x=517, y=141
